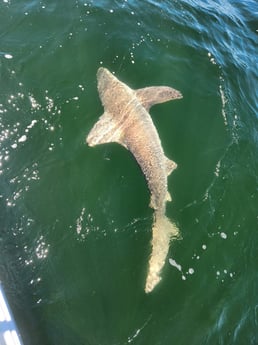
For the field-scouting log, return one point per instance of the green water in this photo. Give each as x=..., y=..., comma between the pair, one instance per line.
x=75, y=222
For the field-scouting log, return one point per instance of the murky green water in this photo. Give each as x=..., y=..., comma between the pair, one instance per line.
x=75, y=222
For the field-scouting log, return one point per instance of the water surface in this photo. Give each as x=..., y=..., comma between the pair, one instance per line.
x=75, y=222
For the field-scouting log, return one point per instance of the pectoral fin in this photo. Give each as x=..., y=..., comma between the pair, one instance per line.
x=105, y=131
x=149, y=96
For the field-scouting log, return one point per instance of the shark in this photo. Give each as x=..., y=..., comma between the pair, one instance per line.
x=126, y=121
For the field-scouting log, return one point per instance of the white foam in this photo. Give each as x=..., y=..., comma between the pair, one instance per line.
x=22, y=139
x=175, y=264
x=8, y=56
x=34, y=103
x=79, y=221
x=33, y=122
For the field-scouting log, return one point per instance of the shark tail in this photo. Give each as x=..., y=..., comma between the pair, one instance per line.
x=163, y=231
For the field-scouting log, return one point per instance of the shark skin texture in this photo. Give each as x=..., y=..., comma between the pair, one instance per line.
x=126, y=121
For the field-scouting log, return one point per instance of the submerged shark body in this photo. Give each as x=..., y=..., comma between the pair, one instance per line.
x=126, y=121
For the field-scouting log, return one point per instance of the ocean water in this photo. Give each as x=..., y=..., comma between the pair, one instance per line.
x=75, y=222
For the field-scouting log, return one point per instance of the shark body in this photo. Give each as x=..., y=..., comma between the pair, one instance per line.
x=126, y=120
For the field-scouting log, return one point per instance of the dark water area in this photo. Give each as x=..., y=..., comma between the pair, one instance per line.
x=75, y=222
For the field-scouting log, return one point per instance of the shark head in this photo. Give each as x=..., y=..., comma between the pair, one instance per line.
x=105, y=80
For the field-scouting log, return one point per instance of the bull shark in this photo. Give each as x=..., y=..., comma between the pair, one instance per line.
x=126, y=121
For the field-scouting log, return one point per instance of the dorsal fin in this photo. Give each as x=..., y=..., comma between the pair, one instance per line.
x=105, y=131
x=149, y=96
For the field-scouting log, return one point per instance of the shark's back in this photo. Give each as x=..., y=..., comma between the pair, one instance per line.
x=126, y=121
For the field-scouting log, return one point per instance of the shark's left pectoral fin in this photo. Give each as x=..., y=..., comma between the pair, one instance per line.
x=149, y=96
x=105, y=131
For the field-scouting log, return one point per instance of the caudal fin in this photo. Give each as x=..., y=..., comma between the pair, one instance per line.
x=163, y=232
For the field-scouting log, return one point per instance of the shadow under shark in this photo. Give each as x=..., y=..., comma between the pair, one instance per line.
x=126, y=121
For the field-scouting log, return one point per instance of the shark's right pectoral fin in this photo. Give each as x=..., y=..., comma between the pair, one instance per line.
x=149, y=96
x=105, y=131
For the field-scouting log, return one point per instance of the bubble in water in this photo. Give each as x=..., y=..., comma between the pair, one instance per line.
x=191, y=271
x=223, y=235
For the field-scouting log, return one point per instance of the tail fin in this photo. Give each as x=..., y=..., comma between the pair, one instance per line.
x=162, y=232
